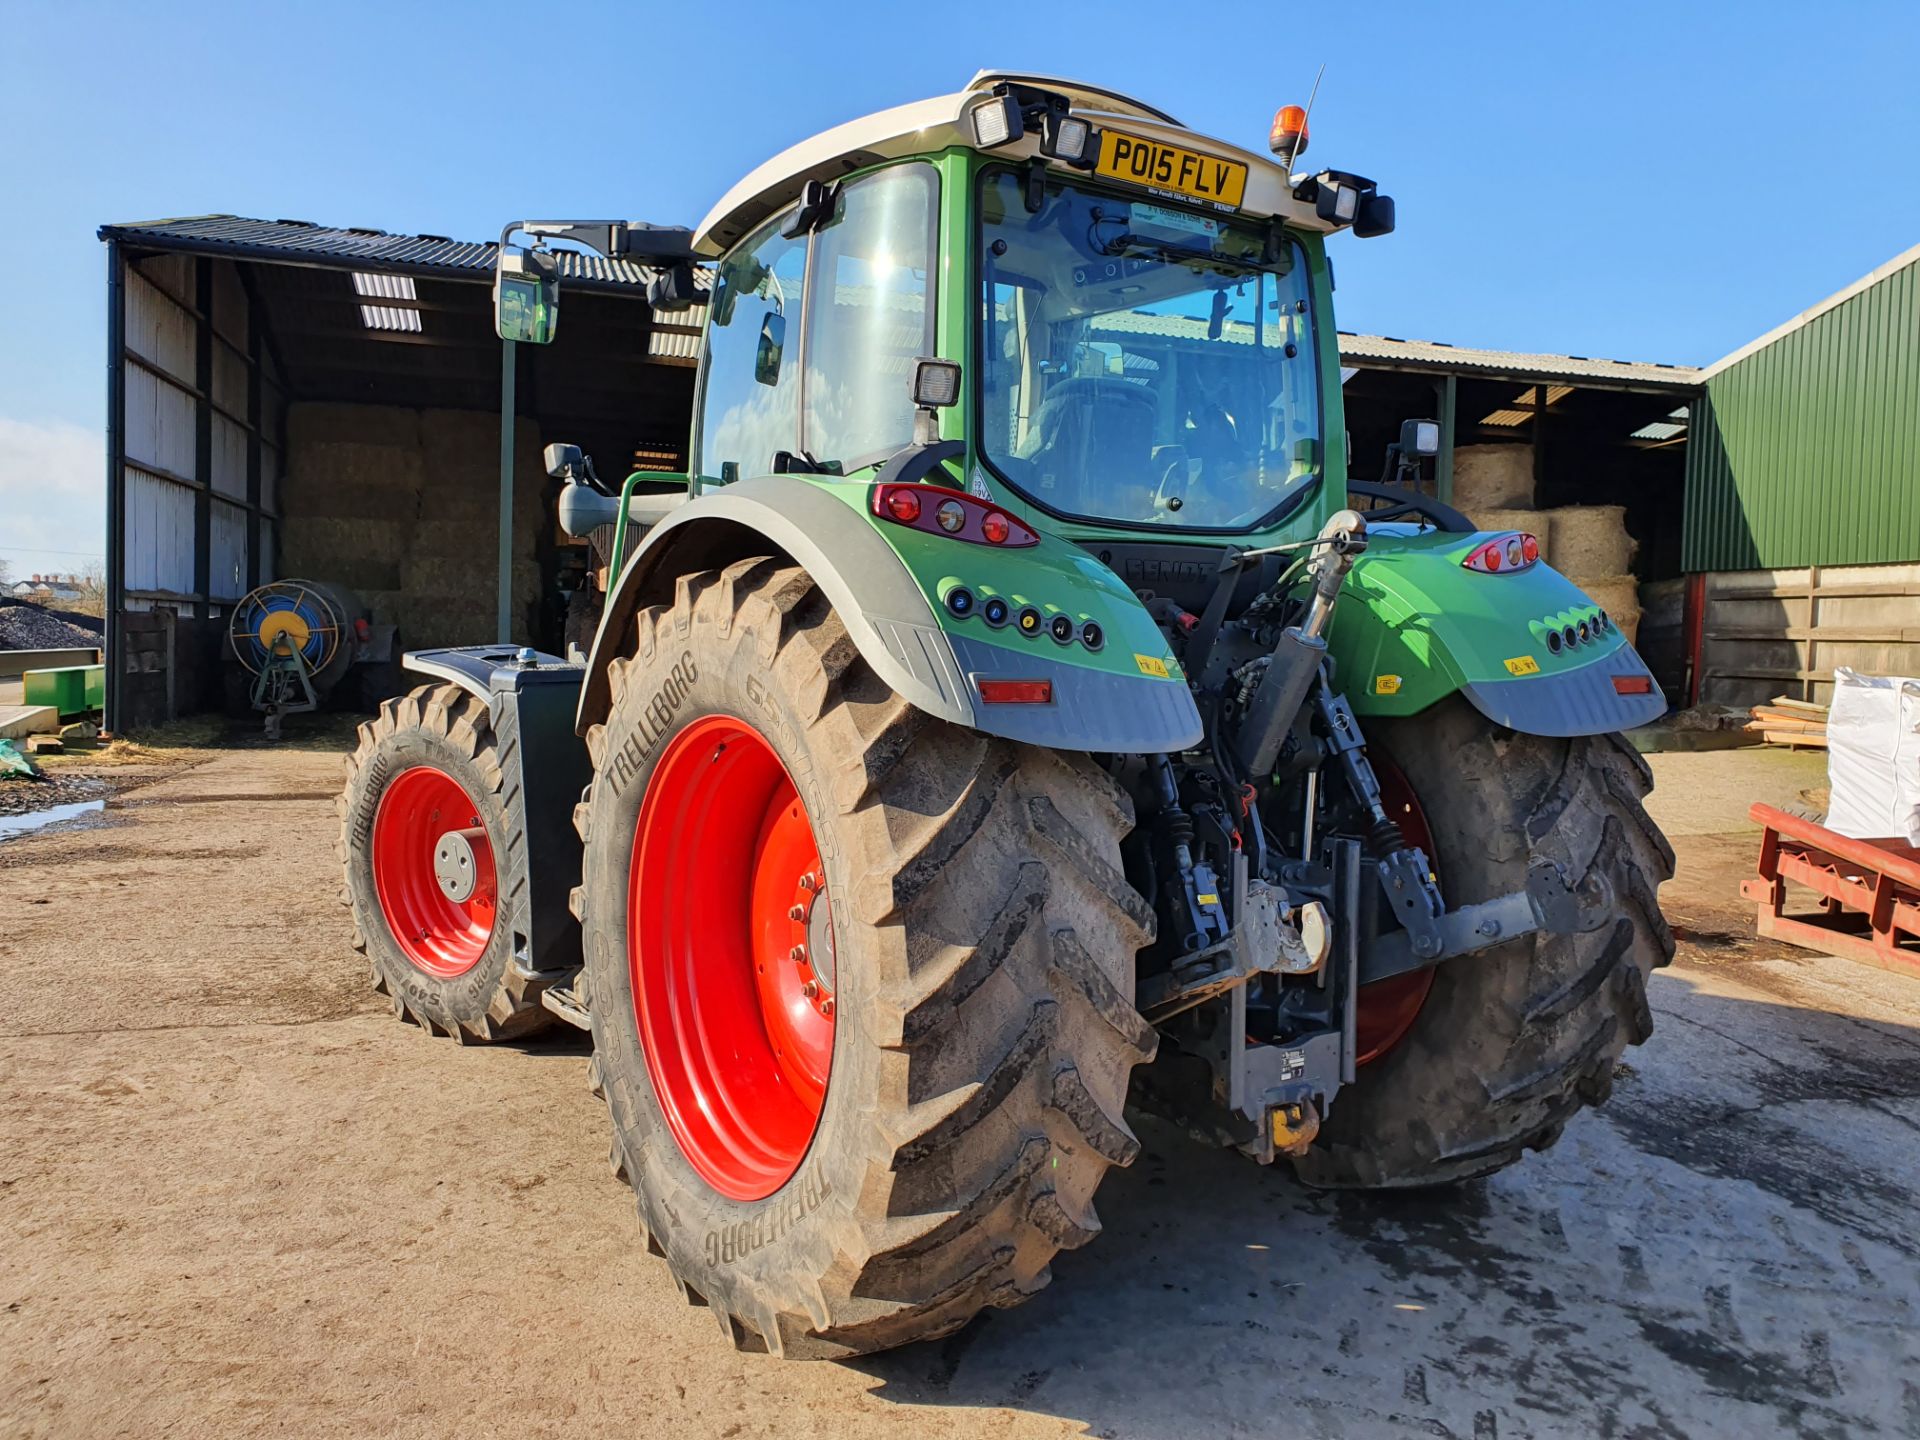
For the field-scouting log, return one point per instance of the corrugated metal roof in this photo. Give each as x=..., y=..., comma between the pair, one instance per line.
x=1387, y=351
x=300, y=242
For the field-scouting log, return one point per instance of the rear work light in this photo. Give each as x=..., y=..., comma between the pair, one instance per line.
x=1017, y=692
x=1503, y=553
x=953, y=514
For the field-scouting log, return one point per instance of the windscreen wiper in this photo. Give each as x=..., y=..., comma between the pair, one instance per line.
x=1164, y=252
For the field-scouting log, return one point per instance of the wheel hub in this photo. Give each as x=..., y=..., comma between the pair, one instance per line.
x=812, y=917
x=454, y=866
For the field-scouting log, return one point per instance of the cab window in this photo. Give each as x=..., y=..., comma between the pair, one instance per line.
x=865, y=271
x=750, y=394
x=871, y=315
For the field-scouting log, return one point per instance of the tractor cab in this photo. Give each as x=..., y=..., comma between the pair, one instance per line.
x=1139, y=315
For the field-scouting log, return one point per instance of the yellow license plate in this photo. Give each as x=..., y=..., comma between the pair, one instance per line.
x=1172, y=170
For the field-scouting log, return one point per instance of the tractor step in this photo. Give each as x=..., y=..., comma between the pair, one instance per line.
x=564, y=1002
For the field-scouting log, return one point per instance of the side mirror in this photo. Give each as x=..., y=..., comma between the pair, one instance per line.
x=1376, y=217
x=563, y=461
x=526, y=296
x=766, y=354
x=1419, y=437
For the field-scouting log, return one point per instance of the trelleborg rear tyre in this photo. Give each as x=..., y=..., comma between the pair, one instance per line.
x=423, y=819
x=1510, y=1043
x=860, y=980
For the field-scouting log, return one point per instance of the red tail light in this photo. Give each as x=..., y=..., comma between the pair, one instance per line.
x=1512, y=551
x=932, y=508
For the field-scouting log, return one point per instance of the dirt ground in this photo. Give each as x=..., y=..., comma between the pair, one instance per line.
x=237, y=1199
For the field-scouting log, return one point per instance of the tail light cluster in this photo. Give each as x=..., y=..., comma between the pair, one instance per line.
x=1516, y=551
x=952, y=513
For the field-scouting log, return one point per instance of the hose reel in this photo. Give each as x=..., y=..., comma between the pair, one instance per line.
x=297, y=638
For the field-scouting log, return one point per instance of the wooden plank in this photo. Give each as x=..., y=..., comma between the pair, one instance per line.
x=1885, y=635
x=1793, y=740
x=1714, y=672
x=1789, y=704
x=1802, y=592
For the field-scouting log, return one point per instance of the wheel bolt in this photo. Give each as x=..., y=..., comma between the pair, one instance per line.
x=798, y=955
x=826, y=1006
x=798, y=912
x=809, y=881
x=809, y=989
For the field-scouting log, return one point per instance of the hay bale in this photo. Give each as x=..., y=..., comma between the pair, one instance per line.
x=1591, y=542
x=1493, y=477
x=474, y=541
x=449, y=576
x=322, y=423
x=1620, y=598
x=1537, y=523
x=319, y=546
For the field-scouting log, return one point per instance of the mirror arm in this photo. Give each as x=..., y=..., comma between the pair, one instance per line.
x=636, y=240
x=1443, y=516
x=916, y=462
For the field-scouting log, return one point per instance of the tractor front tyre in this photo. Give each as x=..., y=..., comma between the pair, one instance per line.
x=1509, y=1043
x=424, y=825
x=860, y=979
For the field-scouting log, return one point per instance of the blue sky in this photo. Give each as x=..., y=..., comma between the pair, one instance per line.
x=1641, y=181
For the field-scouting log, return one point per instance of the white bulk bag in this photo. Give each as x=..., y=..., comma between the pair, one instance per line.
x=1873, y=757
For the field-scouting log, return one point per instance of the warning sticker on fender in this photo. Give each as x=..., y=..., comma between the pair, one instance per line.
x=1386, y=684
x=1151, y=666
x=1523, y=665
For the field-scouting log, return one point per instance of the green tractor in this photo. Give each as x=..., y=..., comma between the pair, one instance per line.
x=1008, y=724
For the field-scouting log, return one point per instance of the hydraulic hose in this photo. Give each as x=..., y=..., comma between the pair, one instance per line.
x=1298, y=654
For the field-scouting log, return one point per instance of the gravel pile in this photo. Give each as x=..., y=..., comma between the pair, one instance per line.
x=26, y=626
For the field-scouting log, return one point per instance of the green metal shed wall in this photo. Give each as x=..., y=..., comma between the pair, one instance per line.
x=1807, y=451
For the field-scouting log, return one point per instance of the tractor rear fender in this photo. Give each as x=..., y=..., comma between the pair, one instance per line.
x=1414, y=625
x=1128, y=695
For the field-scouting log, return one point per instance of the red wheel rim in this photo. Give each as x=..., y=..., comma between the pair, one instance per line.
x=1388, y=1008
x=730, y=949
x=433, y=871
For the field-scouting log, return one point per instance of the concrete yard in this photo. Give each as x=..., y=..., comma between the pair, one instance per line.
x=237, y=1198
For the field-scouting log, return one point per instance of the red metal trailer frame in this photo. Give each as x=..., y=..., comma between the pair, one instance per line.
x=1869, y=891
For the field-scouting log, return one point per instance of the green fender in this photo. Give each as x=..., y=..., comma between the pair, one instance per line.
x=1413, y=626
x=888, y=584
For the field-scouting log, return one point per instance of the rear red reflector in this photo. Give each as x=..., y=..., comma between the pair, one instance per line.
x=1633, y=684
x=1017, y=692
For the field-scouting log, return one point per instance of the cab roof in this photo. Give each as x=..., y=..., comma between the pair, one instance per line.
x=926, y=127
